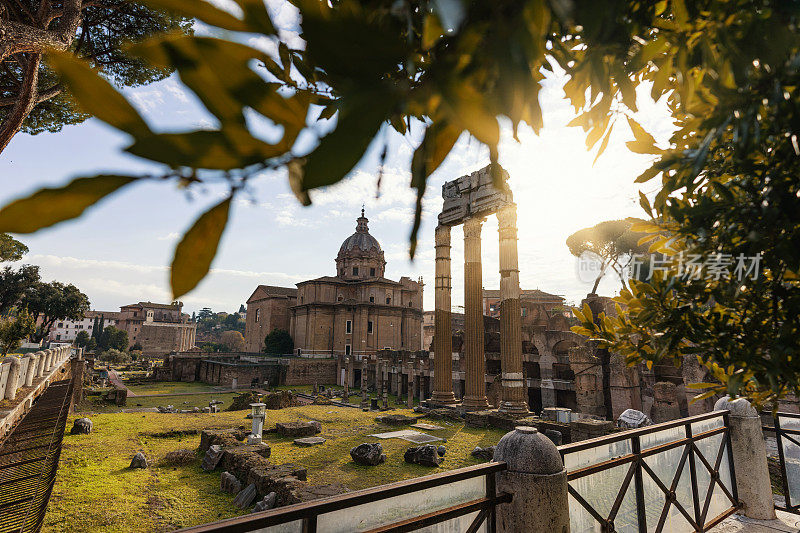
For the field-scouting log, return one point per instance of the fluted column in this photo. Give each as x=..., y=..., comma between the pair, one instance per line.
x=475, y=389
x=513, y=393
x=443, y=333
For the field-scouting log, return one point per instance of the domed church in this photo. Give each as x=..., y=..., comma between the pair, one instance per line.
x=356, y=312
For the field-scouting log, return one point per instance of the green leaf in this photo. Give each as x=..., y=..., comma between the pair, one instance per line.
x=197, y=249
x=647, y=175
x=97, y=96
x=644, y=143
x=47, y=207
x=603, y=145
x=645, y=203
x=219, y=150
x=360, y=118
x=202, y=11
x=256, y=15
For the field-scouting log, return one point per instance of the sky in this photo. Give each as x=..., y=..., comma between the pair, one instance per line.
x=119, y=251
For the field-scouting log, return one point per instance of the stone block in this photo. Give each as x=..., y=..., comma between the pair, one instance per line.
x=221, y=437
x=309, y=441
x=296, y=429
x=246, y=497
x=212, y=458
x=477, y=419
x=589, y=428
x=368, y=454
x=228, y=483
x=427, y=455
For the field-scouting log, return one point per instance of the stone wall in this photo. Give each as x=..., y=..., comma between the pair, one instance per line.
x=310, y=371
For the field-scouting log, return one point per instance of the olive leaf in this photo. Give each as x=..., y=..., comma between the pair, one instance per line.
x=97, y=96
x=50, y=206
x=197, y=249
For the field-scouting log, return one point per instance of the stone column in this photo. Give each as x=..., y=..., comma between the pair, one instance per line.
x=411, y=386
x=346, y=393
x=537, y=479
x=513, y=399
x=443, y=331
x=423, y=393
x=749, y=458
x=475, y=393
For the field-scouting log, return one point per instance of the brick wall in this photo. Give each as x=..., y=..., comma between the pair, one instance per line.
x=310, y=371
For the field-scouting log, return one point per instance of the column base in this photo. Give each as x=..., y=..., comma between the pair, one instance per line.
x=475, y=403
x=514, y=408
x=446, y=398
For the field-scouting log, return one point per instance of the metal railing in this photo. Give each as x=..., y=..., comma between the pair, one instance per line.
x=376, y=509
x=678, y=476
x=788, y=443
x=29, y=460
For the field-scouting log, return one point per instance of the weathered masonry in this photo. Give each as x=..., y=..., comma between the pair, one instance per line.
x=469, y=200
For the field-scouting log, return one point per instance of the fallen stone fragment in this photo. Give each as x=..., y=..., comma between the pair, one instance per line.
x=246, y=496
x=309, y=441
x=138, y=461
x=212, y=458
x=483, y=453
x=368, y=453
x=81, y=426
x=266, y=503
x=229, y=483
x=426, y=455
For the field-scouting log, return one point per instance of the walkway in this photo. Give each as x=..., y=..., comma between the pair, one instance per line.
x=786, y=523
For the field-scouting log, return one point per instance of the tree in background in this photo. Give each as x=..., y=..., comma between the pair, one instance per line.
x=10, y=248
x=14, y=329
x=114, y=356
x=113, y=338
x=612, y=243
x=278, y=342
x=205, y=313
x=14, y=283
x=233, y=341
x=48, y=302
x=97, y=327
x=82, y=339
x=728, y=72
x=32, y=97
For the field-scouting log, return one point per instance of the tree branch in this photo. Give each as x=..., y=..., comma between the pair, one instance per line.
x=16, y=38
x=41, y=96
x=24, y=104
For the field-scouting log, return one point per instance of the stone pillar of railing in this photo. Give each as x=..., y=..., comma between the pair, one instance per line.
x=48, y=360
x=13, y=377
x=537, y=479
x=78, y=366
x=39, y=364
x=749, y=458
x=30, y=371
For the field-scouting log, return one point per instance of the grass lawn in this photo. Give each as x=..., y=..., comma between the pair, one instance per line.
x=95, y=491
x=172, y=387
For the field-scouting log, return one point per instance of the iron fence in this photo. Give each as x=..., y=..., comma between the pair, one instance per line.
x=787, y=438
x=29, y=460
x=459, y=494
x=676, y=476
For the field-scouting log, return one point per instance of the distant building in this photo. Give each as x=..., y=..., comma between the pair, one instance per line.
x=357, y=312
x=158, y=328
x=67, y=330
x=267, y=309
x=532, y=299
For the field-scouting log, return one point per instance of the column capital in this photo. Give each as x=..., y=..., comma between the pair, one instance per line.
x=472, y=227
x=507, y=215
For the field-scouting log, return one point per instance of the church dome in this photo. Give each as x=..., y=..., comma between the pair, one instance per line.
x=361, y=239
x=360, y=254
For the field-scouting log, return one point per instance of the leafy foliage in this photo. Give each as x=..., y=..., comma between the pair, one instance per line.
x=278, y=342
x=14, y=283
x=82, y=339
x=14, y=329
x=48, y=302
x=233, y=341
x=728, y=71
x=98, y=40
x=10, y=248
x=113, y=339
x=114, y=356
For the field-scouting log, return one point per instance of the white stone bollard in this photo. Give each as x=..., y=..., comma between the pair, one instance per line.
x=749, y=458
x=13, y=377
x=537, y=479
x=30, y=371
x=39, y=363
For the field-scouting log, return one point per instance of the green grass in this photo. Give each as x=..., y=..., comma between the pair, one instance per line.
x=172, y=387
x=96, y=492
